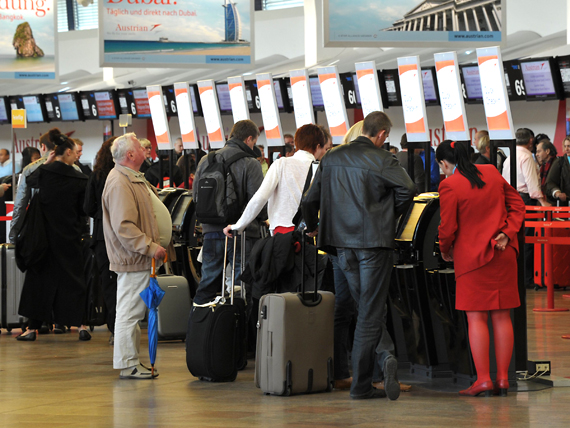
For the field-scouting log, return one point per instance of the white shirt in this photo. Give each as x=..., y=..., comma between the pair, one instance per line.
x=281, y=189
x=527, y=173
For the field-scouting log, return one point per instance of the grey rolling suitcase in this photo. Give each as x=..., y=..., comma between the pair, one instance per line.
x=12, y=280
x=295, y=339
x=175, y=307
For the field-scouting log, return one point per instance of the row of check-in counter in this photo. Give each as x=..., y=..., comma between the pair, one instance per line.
x=430, y=335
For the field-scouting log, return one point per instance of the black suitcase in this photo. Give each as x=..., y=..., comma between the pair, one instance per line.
x=215, y=343
x=95, y=311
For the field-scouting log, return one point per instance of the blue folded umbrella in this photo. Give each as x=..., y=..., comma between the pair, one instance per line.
x=152, y=296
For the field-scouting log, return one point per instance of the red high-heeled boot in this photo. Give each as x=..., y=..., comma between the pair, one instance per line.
x=501, y=387
x=473, y=391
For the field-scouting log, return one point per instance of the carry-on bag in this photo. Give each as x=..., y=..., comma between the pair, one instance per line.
x=214, y=343
x=174, y=308
x=295, y=340
x=12, y=280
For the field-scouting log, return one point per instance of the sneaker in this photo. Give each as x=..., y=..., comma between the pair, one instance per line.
x=391, y=384
x=149, y=369
x=374, y=393
x=137, y=372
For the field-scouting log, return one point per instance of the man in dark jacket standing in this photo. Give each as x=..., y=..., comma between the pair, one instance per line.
x=247, y=173
x=360, y=190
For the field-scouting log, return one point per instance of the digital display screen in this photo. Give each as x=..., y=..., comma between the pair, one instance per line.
x=105, y=105
x=316, y=93
x=224, y=100
x=33, y=108
x=193, y=97
x=278, y=95
x=52, y=107
x=356, y=88
x=430, y=92
x=472, y=82
x=169, y=100
x=68, y=107
x=3, y=111
x=392, y=83
x=141, y=103
x=538, y=81
x=88, y=105
x=564, y=66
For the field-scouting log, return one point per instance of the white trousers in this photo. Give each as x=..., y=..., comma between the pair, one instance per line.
x=130, y=310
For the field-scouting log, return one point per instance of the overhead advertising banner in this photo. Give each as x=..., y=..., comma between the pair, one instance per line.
x=158, y=114
x=413, y=101
x=368, y=87
x=28, y=40
x=185, y=115
x=175, y=33
x=451, y=97
x=269, y=110
x=413, y=23
x=495, y=97
x=211, y=110
x=238, y=99
x=333, y=100
x=302, y=102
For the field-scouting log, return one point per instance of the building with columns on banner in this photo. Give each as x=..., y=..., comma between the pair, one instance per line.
x=452, y=15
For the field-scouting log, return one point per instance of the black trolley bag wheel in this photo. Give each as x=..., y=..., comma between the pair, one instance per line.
x=214, y=343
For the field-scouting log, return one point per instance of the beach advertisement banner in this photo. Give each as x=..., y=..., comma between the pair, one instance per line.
x=175, y=33
x=28, y=47
x=413, y=23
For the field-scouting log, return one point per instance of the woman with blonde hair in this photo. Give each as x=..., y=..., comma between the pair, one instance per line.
x=354, y=132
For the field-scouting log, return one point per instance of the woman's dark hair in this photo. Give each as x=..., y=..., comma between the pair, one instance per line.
x=46, y=139
x=104, y=162
x=458, y=155
x=27, y=155
x=62, y=142
x=308, y=137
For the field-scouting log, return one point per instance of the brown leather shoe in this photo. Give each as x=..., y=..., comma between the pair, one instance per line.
x=403, y=387
x=342, y=384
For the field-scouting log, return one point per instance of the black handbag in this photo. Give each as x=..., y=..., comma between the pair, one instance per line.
x=31, y=243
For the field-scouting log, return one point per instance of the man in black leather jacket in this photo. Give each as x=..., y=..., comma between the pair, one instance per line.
x=360, y=189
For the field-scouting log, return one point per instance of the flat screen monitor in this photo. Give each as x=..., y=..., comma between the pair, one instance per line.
x=126, y=101
x=53, y=110
x=106, y=104
x=472, y=82
x=279, y=86
x=170, y=100
x=356, y=88
x=347, y=80
x=88, y=105
x=69, y=106
x=540, y=80
x=252, y=96
x=34, y=108
x=196, y=107
x=316, y=94
x=224, y=101
x=16, y=102
x=289, y=93
x=430, y=86
x=514, y=80
x=392, y=86
x=5, y=116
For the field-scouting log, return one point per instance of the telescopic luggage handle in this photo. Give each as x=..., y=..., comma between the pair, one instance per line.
x=242, y=291
x=303, y=261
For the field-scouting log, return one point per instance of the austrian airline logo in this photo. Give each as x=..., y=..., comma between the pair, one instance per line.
x=534, y=67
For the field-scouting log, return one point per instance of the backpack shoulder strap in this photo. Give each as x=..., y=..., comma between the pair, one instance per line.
x=237, y=157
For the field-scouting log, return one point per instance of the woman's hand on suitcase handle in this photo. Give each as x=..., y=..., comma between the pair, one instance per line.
x=313, y=233
x=228, y=231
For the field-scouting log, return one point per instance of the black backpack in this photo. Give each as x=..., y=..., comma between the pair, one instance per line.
x=217, y=197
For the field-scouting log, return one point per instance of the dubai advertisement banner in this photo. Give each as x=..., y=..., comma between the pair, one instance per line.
x=433, y=23
x=171, y=33
x=28, y=39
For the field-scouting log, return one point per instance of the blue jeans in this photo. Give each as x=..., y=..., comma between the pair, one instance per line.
x=368, y=272
x=344, y=309
x=213, y=266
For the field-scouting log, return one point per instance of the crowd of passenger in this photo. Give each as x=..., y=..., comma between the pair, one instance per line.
x=347, y=198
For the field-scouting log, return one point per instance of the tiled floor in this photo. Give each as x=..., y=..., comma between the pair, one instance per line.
x=59, y=381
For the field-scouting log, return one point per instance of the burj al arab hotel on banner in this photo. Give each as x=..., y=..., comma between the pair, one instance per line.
x=233, y=22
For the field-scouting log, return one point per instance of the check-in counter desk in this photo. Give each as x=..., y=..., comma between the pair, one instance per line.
x=428, y=332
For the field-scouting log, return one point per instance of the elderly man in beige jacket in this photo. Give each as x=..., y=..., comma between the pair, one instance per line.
x=137, y=228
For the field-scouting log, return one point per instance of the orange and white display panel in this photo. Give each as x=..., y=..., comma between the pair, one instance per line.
x=495, y=96
x=333, y=100
x=451, y=97
x=211, y=110
x=302, y=100
x=240, y=109
x=185, y=115
x=158, y=115
x=19, y=119
x=269, y=110
x=413, y=100
x=368, y=87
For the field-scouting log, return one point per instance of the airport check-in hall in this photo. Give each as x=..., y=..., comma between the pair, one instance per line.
x=284, y=213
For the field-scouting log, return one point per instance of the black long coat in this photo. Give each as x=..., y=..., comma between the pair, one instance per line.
x=57, y=284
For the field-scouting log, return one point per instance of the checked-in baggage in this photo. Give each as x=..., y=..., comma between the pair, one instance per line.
x=173, y=311
x=216, y=341
x=12, y=280
x=295, y=339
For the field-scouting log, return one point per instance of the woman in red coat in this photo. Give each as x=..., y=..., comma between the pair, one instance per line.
x=480, y=217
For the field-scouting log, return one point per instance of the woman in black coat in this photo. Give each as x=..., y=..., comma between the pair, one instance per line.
x=93, y=208
x=56, y=285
